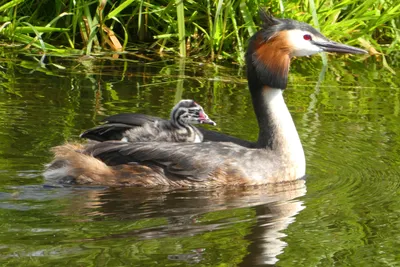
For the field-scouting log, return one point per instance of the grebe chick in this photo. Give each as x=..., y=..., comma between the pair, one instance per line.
x=276, y=157
x=178, y=129
x=117, y=127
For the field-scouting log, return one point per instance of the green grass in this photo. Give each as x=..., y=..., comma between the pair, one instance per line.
x=210, y=29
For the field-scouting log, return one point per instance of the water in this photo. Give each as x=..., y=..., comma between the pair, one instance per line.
x=347, y=214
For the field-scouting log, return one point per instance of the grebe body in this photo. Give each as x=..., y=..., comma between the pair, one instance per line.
x=277, y=156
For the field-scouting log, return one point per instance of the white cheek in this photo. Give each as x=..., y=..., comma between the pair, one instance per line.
x=300, y=46
x=306, y=50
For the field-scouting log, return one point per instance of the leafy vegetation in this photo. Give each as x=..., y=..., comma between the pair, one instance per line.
x=213, y=29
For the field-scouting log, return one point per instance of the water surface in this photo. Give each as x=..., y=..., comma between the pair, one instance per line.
x=346, y=213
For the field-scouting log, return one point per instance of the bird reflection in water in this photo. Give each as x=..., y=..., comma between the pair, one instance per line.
x=192, y=213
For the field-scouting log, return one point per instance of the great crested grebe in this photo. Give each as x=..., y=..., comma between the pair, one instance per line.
x=277, y=156
x=177, y=129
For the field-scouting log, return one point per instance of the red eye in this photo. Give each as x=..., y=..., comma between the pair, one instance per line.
x=307, y=37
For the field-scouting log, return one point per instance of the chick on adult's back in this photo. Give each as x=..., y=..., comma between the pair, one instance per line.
x=178, y=129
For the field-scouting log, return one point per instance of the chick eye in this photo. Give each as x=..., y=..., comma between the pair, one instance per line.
x=307, y=37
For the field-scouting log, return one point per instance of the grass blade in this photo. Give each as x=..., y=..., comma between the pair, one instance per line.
x=181, y=27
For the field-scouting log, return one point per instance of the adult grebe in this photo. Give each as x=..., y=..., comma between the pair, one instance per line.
x=177, y=129
x=277, y=156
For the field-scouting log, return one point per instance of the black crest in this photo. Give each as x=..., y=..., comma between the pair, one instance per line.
x=267, y=19
x=270, y=24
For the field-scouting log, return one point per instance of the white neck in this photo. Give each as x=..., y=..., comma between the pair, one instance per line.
x=285, y=140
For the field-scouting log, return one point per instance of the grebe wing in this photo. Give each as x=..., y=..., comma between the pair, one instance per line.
x=132, y=119
x=116, y=125
x=209, y=135
x=105, y=132
x=188, y=160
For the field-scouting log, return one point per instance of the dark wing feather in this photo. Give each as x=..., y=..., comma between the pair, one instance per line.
x=192, y=161
x=105, y=132
x=116, y=125
x=220, y=137
x=132, y=119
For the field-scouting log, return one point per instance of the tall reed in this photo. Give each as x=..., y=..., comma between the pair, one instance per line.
x=211, y=29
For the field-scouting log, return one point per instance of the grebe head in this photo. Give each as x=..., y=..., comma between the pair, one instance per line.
x=188, y=111
x=271, y=48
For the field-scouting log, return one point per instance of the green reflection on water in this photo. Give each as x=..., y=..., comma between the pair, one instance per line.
x=347, y=117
